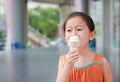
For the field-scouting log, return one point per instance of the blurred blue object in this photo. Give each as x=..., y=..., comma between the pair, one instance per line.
x=2, y=46
x=92, y=44
x=16, y=45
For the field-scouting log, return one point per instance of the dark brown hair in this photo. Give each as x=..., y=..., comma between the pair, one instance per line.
x=85, y=17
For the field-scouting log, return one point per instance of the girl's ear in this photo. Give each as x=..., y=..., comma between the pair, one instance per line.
x=92, y=35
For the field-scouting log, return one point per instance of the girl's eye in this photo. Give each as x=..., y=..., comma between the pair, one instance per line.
x=69, y=30
x=79, y=29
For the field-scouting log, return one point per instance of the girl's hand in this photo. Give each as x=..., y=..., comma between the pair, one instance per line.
x=72, y=57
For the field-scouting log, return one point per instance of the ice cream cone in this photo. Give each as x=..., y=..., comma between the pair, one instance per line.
x=74, y=43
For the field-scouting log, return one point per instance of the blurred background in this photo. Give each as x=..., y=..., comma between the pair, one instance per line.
x=31, y=37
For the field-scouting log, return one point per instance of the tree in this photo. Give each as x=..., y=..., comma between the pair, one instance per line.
x=45, y=20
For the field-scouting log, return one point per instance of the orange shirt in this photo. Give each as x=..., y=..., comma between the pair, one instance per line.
x=90, y=73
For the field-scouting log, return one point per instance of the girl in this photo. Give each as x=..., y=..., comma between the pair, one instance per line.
x=82, y=65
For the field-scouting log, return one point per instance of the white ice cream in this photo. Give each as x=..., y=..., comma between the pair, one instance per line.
x=74, y=43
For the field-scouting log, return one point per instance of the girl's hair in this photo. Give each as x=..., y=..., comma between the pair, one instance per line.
x=85, y=17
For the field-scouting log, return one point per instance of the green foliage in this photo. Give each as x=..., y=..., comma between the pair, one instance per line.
x=45, y=20
x=98, y=29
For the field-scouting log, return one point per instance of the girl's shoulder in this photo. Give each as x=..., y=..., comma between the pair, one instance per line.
x=99, y=58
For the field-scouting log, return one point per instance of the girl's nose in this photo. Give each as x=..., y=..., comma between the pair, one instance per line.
x=74, y=33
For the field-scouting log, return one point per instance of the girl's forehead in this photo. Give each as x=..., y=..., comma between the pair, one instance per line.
x=77, y=20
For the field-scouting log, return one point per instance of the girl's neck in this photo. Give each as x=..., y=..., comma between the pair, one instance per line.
x=85, y=52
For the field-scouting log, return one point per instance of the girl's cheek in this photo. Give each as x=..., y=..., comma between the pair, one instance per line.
x=66, y=38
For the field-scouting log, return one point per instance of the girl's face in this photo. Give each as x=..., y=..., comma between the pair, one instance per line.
x=77, y=26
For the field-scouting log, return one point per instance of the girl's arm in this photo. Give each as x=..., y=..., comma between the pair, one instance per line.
x=107, y=72
x=64, y=70
x=63, y=73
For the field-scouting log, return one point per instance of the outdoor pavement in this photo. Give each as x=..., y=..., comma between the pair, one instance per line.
x=40, y=64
